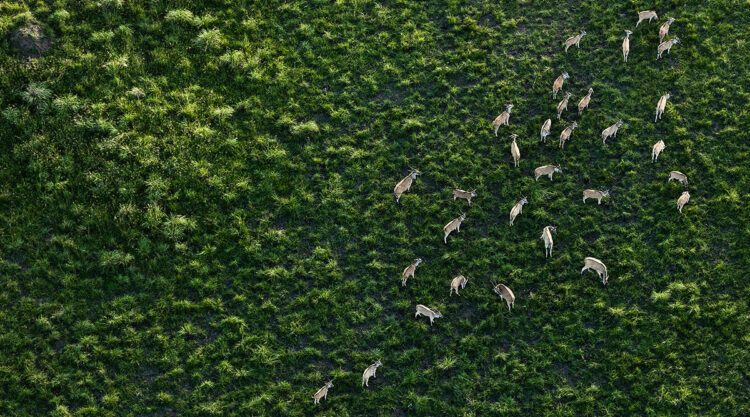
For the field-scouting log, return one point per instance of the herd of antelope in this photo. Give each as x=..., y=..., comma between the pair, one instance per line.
x=503, y=291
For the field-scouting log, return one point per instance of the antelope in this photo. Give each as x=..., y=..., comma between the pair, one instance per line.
x=664, y=29
x=557, y=85
x=503, y=118
x=611, y=131
x=547, y=170
x=505, y=293
x=574, y=40
x=545, y=130
x=426, y=311
x=565, y=135
x=563, y=105
x=656, y=150
x=666, y=46
x=649, y=14
x=598, y=266
x=585, y=101
x=322, y=393
x=459, y=281
x=370, y=372
x=517, y=209
x=684, y=198
x=626, y=45
x=464, y=194
x=661, y=105
x=409, y=271
x=514, y=151
x=598, y=195
x=547, y=238
x=678, y=176
x=404, y=185
x=454, y=224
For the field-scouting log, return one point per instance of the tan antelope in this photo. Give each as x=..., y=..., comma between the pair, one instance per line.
x=547, y=170
x=661, y=106
x=467, y=195
x=370, y=372
x=517, y=209
x=557, y=85
x=626, y=45
x=547, y=238
x=664, y=29
x=565, y=135
x=679, y=177
x=322, y=393
x=459, y=281
x=611, y=131
x=574, y=40
x=656, y=150
x=684, y=198
x=585, y=101
x=454, y=224
x=545, y=130
x=404, y=185
x=505, y=293
x=563, y=105
x=598, y=266
x=648, y=14
x=503, y=118
x=514, y=151
x=409, y=271
x=428, y=312
x=598, y=195
x=666, y=46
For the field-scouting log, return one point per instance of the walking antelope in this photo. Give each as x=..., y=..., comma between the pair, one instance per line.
x=666, y=46
x=503, y=118
x=598, y=195
x=370, y=372
x=565, y=135
x=505, y=293
x=611, y=131
x=585, y=101
x=547, y=238
x=464, y=194
x=459, y=281
x=664, y=29
x=598, y=266
x=648, y=14
x=545, y=130
x=557, y=85
x=563, y=105
x=547, y=170
x=626, y=45
x=409, y=271
x=661, y=105
x=517, y=209
x=404, y=185
x=514, y=151
x=656, y=150
x=684, y=198
x=427, y=312
x=678, y=176
x=574, y=40
x=454, y=224
x=322, y=393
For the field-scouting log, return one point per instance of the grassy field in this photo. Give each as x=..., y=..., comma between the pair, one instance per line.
x=197, y=218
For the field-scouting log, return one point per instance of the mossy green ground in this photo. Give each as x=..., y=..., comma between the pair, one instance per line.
x=197, y=214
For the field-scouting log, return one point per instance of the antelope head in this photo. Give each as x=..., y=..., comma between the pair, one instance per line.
x=565, y=75
x=438, y=315
x=583, y=33
x=418, y=261
x=628, y=33
x=413, y=172
x=670, y=20
x=567, y=94
x=508, y=107
x=558, y=168
x=462, y=216
x=552, y=229
x=591, y=91
x=329, y=384
x=667, y=95
x=676, y=40
x=474, y=192
x=619, y=123
x=605, y=193
x=513, y=136
x=524, y=201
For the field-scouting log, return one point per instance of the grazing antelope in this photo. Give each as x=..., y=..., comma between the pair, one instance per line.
x=322, y=393
x=611, y=131
x=503, y=118
x=370, y=372
x=459, y=281
x=464, y=194
x=563, y=105
x=426, y=311
x=678, y=176
x=649, y=14
x=626, y=45
x=666, y=46
x=547, y=170
x=661, y=105
x=454, y=224
x=565, y=135
x=598, y=266
x=557, y=85
x=409, y=271
x=517, y=209
x=598, y=195
x=585, y=101
x=656, y=150
x=404, y=185
x=514, y=151
x=664, y=29
x=684, y=198
x=547, y=238
x=574, y=40
x=545, y=130
x=505, y=293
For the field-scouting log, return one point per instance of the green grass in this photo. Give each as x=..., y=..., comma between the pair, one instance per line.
x=196, y=210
